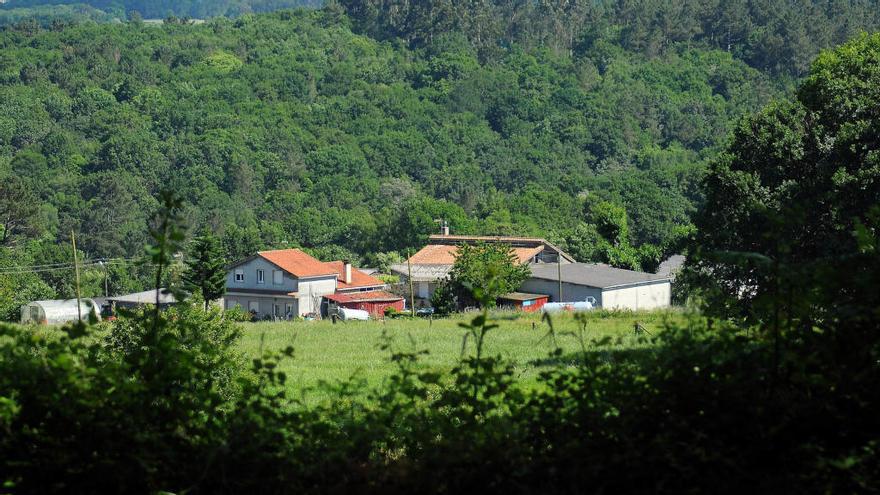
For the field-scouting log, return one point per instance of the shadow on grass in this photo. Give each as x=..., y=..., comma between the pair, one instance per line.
x=598, y=355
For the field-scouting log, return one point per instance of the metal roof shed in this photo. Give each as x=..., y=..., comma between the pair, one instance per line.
x=147, y=297
x=610, y=287
x=57, y=312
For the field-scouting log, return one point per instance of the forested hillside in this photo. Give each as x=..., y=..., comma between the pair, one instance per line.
x=780, y=36
x=288, y=129
x=159, y=9
x=49, y=15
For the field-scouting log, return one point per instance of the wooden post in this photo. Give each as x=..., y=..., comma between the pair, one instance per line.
x=559, y=275
x=76, y=271
x=412, y=294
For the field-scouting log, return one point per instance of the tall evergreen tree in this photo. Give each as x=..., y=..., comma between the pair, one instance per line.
x=205, y=268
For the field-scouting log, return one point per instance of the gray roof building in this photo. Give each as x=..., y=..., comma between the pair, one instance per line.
x=610, y=287
x=145, y=297
x=596, y=275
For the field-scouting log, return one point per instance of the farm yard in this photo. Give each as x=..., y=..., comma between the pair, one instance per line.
x=330, y=353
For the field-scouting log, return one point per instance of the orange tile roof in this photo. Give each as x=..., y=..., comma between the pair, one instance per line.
x=444, y=254
x=371, y=296
x=435, y=254
x=486, y=238
x=516, y=242
x=297, y=263
x=358, y=278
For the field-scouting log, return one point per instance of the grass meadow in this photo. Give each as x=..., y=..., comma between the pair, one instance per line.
x=327, y=353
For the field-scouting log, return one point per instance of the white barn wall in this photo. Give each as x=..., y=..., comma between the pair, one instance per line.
x=646, y=296
x=651, y=295
x=570, y=292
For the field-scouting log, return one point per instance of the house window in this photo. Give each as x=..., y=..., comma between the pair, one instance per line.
x=239, y=275
x=261, y=276
x=254, y=306
x=288, y=309
x=277, y=277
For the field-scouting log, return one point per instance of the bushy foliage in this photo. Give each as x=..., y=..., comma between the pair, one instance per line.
x=481, y=274
x=706, y=408
x=796, y=181
x=205, y=272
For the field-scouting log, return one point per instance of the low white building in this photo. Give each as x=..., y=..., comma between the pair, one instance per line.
x=58, y=312
x=612, y=288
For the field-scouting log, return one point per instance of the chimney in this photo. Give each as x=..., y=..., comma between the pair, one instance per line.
x=346, y=271
x=444, y=228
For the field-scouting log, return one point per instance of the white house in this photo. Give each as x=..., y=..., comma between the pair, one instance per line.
x=290, y=282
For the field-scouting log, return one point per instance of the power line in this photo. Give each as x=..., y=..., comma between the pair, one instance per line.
x=24, y=269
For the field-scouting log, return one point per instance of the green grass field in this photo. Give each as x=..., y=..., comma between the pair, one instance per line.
x=330, y=353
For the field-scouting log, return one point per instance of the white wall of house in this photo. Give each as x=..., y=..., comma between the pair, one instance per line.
x=646, y=296
x=311, y=290
x=423, y=290
x=272, y=275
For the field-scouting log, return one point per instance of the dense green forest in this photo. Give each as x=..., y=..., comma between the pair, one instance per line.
x=780, y=36
x=160, y=9
x=291, y=129
x=53, y=15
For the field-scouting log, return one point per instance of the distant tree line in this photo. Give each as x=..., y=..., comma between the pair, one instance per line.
x=780, y=36
x=160, y=9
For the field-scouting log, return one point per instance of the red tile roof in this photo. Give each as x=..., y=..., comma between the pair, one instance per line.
x=358, y=278
x=369, y=296
x=297, y=263
x=444, y=254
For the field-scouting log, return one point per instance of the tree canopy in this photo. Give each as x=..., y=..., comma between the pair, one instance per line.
x=480, y=275
x=798, y=179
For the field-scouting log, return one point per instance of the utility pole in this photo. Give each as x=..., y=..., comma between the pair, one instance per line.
x=412, y=294
x=559, y=274
x=76, y=271
x=106, y=275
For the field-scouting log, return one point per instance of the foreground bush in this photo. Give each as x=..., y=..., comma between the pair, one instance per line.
x=166, y=405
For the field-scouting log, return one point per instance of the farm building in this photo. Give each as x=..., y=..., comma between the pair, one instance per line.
x=523, y=301
x=57, y=312
x=145, y=298
x=612, y=288
x=289, y=282
x=433, y=262
x=374, y=302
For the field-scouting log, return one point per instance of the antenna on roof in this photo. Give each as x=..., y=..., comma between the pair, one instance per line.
x=444, y=226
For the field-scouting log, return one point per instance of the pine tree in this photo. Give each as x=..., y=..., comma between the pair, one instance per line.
x=205, y=268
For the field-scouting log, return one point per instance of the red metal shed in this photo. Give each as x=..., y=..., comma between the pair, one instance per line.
x=523, y=301
x=374, y=302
